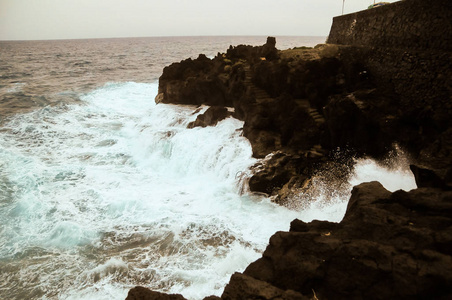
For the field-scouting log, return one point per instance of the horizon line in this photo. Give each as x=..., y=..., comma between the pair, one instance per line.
x=156, y=36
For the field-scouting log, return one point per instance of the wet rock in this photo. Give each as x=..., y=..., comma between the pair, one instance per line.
x=389, y=245
x=272, y=173
x=210, y=117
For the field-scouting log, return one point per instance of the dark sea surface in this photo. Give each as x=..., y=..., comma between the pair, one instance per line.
x=36, y=73
x=102, y=190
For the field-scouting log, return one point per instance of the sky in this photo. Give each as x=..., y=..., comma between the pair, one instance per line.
x=74, y=19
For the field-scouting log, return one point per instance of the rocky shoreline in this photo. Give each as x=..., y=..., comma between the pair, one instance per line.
x=301, y=107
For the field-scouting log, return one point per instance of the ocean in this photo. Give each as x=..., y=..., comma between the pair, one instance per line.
x=102, y=190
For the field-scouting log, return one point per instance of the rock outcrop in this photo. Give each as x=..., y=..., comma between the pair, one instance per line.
x=210, y=117
x=359, y=97
x=387, y=246
x=307, y=103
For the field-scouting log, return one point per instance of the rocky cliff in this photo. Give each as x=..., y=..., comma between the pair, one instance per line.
x=378, y=82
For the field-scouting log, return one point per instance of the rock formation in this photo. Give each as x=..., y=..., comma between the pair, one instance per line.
x=387, y=246
x=299, y=106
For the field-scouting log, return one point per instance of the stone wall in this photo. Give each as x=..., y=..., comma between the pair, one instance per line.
x=406, y=48
x=417, y=24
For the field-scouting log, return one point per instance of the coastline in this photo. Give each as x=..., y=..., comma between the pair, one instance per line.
x=301, y=105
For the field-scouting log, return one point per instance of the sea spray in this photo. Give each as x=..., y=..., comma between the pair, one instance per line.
x=325, y=195
x=115, y=192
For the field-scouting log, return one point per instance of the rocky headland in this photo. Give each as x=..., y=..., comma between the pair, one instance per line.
x=382, y=80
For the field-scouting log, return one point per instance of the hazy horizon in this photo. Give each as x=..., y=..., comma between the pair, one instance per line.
x=163, y=37
x=87, y=19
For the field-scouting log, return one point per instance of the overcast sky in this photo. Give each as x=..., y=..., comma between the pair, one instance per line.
x=69, y=19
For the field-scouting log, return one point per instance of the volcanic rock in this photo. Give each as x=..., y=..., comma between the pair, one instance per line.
x=210, y=117
x=387, y=246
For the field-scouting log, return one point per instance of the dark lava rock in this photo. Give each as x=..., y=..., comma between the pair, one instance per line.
x=272, y=174
x=388, y=246
x=210, y=117
x=193, y=82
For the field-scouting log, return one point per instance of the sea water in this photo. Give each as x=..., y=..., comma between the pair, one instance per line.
x=102, y=190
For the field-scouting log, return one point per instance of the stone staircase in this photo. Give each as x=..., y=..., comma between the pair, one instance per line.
x=261, y=96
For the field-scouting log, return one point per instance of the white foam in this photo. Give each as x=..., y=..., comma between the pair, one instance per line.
x=117, y=192
x=123, y=179
x=16, y=87
x=393, y=178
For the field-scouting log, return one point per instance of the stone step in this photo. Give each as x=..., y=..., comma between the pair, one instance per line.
x=319, y=121
x=317, y=117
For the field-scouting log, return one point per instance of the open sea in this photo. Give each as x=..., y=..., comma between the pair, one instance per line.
x=102, y=190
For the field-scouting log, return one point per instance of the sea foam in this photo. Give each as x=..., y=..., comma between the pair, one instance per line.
x=115, y=192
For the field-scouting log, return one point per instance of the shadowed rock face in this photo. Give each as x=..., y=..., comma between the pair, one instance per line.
x=210, y=117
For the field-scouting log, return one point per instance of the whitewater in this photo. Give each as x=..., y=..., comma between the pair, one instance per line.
x=110, y=191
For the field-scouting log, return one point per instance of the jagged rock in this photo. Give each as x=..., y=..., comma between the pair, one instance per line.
x=142, y=293
x=269, y=50
x=193, y=82
x=387, y=246
x=272, y=173
x=210, y=117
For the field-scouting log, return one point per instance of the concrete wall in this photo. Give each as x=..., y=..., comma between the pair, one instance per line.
x=416, y=24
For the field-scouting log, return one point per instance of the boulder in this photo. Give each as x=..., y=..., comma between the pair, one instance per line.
x=210, y=117
x=272, y=173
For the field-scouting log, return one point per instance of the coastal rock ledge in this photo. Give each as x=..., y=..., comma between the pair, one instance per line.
x=383, y=80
